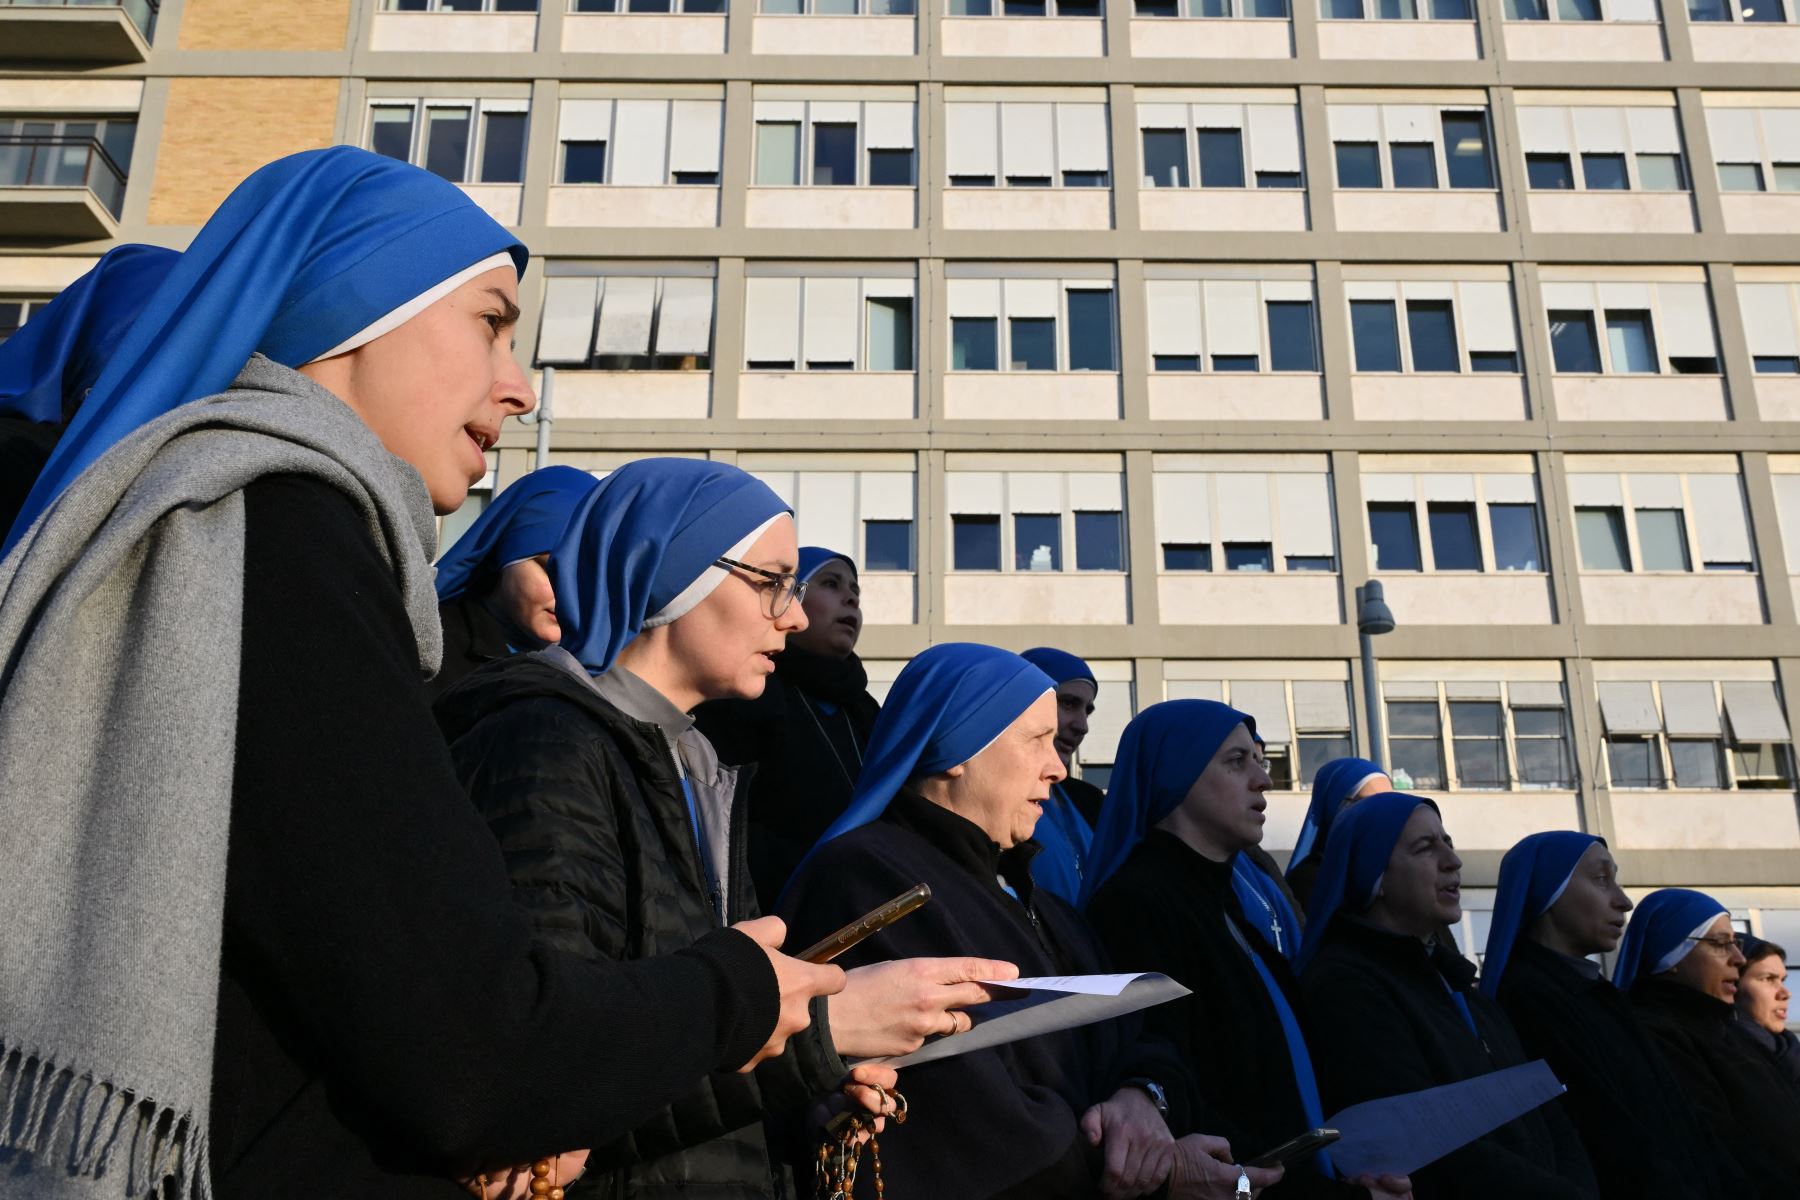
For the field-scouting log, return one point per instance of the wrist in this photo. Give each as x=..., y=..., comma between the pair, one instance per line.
x=1152, y=1091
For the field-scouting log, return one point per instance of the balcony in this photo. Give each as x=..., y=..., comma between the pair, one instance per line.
x=454, y=32
x=77, y=31
x=59, y=189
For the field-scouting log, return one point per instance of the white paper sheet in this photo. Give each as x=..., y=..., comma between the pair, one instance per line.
x=1046, y=1010
x=1400, y=1134
x=1086, y=985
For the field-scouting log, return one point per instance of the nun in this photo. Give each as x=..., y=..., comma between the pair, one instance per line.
x=1335, y=786
x=1187, y=798
x=493, y=585
x=1390, y=1009
x=808, y=730
x=1066, y=831
x=48, y=367
x=1762, y=1004
x=256, y=938
x=1559, y=903
x=1680, y=962
x=623, y=832
x=960, y=766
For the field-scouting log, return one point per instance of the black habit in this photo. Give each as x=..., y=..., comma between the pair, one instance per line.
x=1087, y=798
x=806, y=735
x=1642, y=1134
x=999, y=1122
x=1381, y=1021
x=1173, y=910
x=472, y=636
x=1782, y=1048
x=1748, y=1103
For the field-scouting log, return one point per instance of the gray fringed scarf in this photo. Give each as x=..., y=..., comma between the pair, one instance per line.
x=120, y=625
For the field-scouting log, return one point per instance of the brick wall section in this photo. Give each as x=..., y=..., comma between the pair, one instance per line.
x=262, y=25
x=217, y=131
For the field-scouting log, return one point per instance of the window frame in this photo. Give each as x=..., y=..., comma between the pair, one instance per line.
x=1575, y=153
x=1216, y=543
x=661, y=277
x=1629, y=509
x=1725, y=745
x=807, y=157
x=1449, y=692
x=1400, y=299
x=474, y=148
x=1598, y=310
x=1003, y=347
x=1483, y=506
x=1068, y=551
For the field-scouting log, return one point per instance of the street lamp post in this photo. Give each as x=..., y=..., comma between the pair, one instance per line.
x=1373, y=617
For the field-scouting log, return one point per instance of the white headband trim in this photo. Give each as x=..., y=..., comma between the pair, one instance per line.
x=1685, y=946
x=690, y=596
x=412, y=308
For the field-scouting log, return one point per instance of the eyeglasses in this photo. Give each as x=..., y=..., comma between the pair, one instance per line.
x=1723, y=944
x=783, y=588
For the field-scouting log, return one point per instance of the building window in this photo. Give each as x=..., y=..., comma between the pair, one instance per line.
x=866, y=513
x=1772, y=325
x=1755, y=147
x=1651, y=328
x=1418, y=139
x=1509, y=736
x=1051, y=325
x=834, y=143
x=887, y=546
x=1572, y=343
x=1231, y=325
x=1601, y=535
x=1375, y=334
x=977, y=542
x=1619, y=149
x=1675, y=518
x=1394, y=535
x=1515, y=532
x=1036, y=521
x=1450, y=326
x=15, y=311
x=1737, y=10
x=462, y=6
x=1165, y=157
x=1396, y=10
x=1632, y=344
x=828, y=323
x=1415, y=744
x=1226, y=9
x=1697, y=735
x=90, y=152
x=1232, y=145
x=1307, y=716
x=839, y=8
x=1455, y=544
x=627, y=323
x=1358, y=165
x=1037, y=542
x=710, y=7
x=464, y=141
x=1027, y=143
x=1448, y=535
x=1249, y=521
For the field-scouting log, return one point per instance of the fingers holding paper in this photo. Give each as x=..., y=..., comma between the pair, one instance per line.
x=892, y=1007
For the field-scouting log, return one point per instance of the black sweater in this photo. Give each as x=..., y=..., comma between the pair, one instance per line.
x=385, y=1022
x=1228, y=1030
x=1381, y=1021
x=472, y=638
x=999, y=1122
x=1640, y=1129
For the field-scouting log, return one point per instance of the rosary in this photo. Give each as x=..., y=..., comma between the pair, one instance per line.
x=834, y=1174
x=544, y=1185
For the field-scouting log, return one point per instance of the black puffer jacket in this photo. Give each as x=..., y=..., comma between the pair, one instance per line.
x=588, y=810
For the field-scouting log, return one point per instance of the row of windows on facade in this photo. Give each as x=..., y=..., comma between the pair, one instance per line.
x=1050, y=144
x=1755, y=11
x=865, y=322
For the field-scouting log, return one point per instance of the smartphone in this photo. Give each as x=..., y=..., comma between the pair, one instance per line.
x=873, y=922
x=1295, y=1149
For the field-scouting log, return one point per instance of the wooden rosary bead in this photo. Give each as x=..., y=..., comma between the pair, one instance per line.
x=540, y=1168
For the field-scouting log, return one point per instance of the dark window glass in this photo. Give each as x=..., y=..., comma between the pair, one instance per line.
x=1187, y=556
x=1572, y=342
x=1660, y=173
x=1343, y=10
x=1707, y=10
x=1158, y=8
x=1415, y=164
x=1028, y=181
x=1091, y=330
x=652, y=6
x=975, y=542
x=1694, y=366
x=1631, y=341
x=1221, y=158
x=1317, y=749
x=503, y=149
x=447, y=143
x=1454, y=545
x=1478, y=733
x=1033, y=343
x=392, y=132
x=1767, y=364
x=696, y=178
x=1376, y=334
x=1526, y=10
x=1515, y=530
x=1099, y=541
x=834, y=155
x=1023, y=8
x=1266, y=8
x=1450, y=10
x=1166, y=157
x=890, y=334
x=12, y=318
x=584, y=162
x=1541, y=746
x=974, y=344
x=1310, y=562
x=1233, y=362
x=1741, y=177
x=1578, y=10
x=1633, y=762
x=1291, y=344
x=1431, y=328
x=1394, y=531
x=1761, y=765
x=1358, y=165
x=971, y=8
x=890, y=168
x=1549, y=172
x=1696, y=763
x=1763, y=10
x=1415, y=744
x=515, y=5
x=1176, y=362
x=596, y=6
x=1084, y=179
x=1502, y=362
x=1077, y=8
x=1466, y=144
x=1278, y=179
x=971, y=181
x=1604, y=172
x=1662, y=540
x=1249, y=556
x=1037, y=542
x=1600, y=532
x=887, y=546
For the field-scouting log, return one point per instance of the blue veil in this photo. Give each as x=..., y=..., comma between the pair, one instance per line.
x=638, y=550
x=1656, y=938
x=946, y=706
x=525, y=520
x=47, y=367
x=1063, y=832
x=305, y=255
x=813, y=558
x=1357, y=850
x=1532, y=878
x=1332, y=785
x=1060, y=665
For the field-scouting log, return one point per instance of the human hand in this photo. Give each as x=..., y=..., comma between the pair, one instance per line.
x=514, y=1183
x=892, y=1007
x=873, y=1087
x=1205, y=1170
x=799, y=983
x=1386, y=1187
x=1139, y=1149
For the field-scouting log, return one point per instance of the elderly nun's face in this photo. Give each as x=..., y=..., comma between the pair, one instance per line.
x=1224, y=809
x=1762, y=992
x=833, y=612
x=1003, y=788
x=436, y=389
x=1713, y=962
x=1422, y=886
x=1589, y=917
x=725, y=646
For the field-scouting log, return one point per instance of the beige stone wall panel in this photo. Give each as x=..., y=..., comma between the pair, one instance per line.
x=220, y=130
x=259, y=25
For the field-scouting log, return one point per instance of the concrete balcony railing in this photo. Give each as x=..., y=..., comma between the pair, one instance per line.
x=77, y=31
x=59, y=188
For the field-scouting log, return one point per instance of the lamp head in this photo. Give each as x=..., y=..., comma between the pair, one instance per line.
x=1373, y=616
